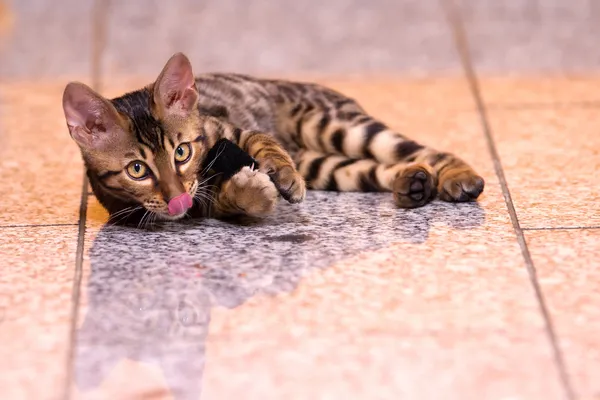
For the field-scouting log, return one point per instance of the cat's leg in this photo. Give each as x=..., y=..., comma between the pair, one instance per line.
x=255, y=191
x=328, y=124
x=412, y=184
x=248, y=192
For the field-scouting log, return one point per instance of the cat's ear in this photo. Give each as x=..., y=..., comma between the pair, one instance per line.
x=92, y=120
x=175, y=89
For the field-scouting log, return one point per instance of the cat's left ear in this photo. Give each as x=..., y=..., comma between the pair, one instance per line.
x=175, y=90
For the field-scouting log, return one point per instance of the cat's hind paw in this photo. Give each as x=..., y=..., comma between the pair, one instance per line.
x=414, y=187
x=460, y=185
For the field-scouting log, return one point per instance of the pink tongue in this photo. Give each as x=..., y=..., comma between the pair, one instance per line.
x=180, y=204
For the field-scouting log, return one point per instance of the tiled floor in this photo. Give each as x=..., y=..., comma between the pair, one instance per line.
x=343, y=297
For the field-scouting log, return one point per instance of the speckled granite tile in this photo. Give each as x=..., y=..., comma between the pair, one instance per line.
x=342, y=296
x=46, y=40
x=346, y=36
x=40, y=166
x=569, y=273
x=540, y=91
x=551, y=159
x=37, y=266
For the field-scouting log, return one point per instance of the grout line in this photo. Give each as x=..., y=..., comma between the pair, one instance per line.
x=76, y=290
x=561, y=228
x=98, y=16
x=462, y=45
x=35, y=225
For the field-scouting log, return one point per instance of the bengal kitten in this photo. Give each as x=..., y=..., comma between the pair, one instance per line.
x=145, y=151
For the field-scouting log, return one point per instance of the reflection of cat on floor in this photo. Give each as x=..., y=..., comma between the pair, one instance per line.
x=148, y=309
x=150, y=293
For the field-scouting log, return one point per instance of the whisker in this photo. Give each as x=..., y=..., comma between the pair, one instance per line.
x=221, y=150
x=150, y=220
x=126, y=209
x=205, y=195
x=209, y=178
x=200, y=199
x=125, y=213
x=141, y=220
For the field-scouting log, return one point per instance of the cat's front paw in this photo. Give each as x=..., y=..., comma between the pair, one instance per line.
x=252, y=192
x=289, y=182
x=460, y=185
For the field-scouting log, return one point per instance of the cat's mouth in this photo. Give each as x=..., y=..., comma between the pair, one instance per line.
x=178, y=207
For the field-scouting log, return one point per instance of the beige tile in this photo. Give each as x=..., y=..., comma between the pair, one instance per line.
x=551, y=159
x=423, y=325
x=432, y=303
x=45, y=41
x=35, y=310
x=413, y=318
x=542, y=91
x=41, y=170
x=280, y=37
x=569, y=274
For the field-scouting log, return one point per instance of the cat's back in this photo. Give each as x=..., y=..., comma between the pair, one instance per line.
x=242, y=100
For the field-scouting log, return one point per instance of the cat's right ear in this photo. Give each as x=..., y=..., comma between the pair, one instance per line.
x=93, y=121
x=175, y=90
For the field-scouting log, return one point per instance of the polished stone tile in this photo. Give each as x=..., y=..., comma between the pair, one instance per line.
x=41, y=170
x=531, y=92
x=35, y=310
x=47, y=40
x=543, y=36
x=551, y=158
x=569, y=273
x=6, y=21
x=341, y=296
x=345, y=36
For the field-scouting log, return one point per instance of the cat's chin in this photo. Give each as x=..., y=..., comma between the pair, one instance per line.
x=165, y=217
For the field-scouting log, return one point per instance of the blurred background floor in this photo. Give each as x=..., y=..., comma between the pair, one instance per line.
x=344, y=296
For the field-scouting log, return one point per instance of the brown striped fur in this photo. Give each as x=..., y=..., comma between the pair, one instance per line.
x=303, y=135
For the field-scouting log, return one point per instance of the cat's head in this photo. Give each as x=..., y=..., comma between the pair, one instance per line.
x=144, y=148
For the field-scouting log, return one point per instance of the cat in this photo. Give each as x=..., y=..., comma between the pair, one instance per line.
x=144, y=151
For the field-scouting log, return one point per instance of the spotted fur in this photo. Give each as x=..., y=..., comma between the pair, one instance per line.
x=303, y=135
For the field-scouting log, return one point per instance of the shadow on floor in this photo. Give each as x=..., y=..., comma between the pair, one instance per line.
x=150, y=293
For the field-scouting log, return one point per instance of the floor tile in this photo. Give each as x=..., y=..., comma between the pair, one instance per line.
x=569, y=273
x=41, y=170
x=35, y=310
x=378, y=299
x=377, y=36
x=531, y=92
x=550, y=158
x=342, y=296
x=522, y=36
x=47, y=41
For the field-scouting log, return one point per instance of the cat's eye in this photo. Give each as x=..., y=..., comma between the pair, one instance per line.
x=137, y=170
x=182, y=153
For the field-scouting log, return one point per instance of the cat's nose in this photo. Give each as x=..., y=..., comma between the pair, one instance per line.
x=180, y=204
